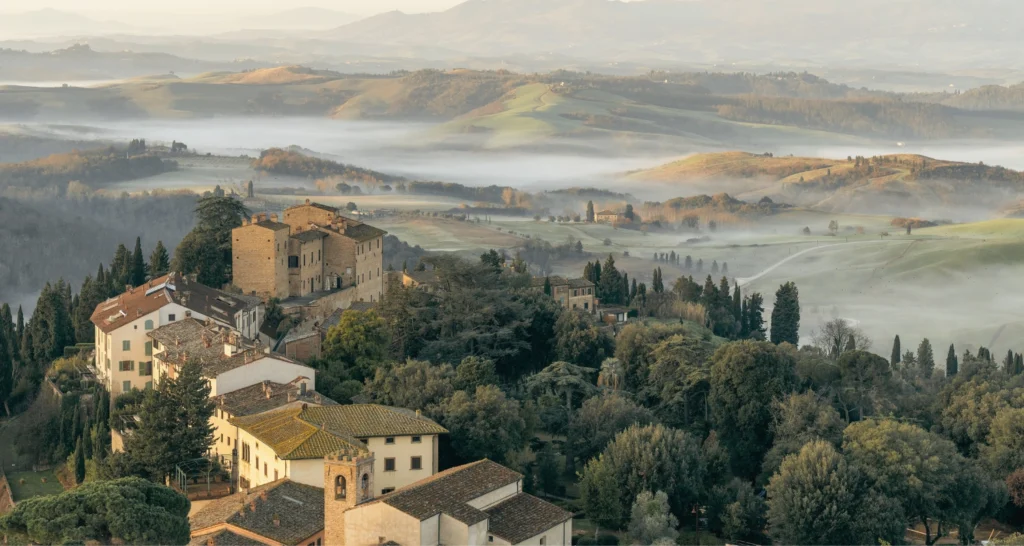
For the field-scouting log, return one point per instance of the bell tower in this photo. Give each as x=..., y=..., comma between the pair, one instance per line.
x=348, y=482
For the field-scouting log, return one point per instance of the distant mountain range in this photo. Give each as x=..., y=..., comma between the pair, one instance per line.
x=953, y=32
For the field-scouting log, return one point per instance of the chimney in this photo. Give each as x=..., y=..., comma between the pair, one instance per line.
x=307, y=201
x=212, y=541
x=188, y=313
x=255, y=218
x=419, y=413
x=277, y=520
x=252, y=506
x=273, y=217
x=305, y=407
x=263, y=495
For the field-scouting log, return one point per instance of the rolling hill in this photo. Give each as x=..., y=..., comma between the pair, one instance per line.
x=891, y=184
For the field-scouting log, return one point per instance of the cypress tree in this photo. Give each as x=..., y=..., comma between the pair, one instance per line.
x=160, y=261
x=138, y=275
x=121, y=269
x=79, y=463
x=1009, y=362
x=925, y=358
x=786, y=315
x=952, y=364
x=632, y=291
x=547, y=285
x=700, y=265
x=714, y=267
x=737, y=303
x=709, y=295
x=624, y=290
x=895, y=358
x=723, y=293
x=597, y=271
x=6, y=370
x=86, y=438
x=755, y=316
x=688, y=263
x=725, y=268
x=1018, y=362
x=590, y=212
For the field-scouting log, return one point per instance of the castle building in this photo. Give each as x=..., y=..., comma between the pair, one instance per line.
x=124, y=352
x=314, y=249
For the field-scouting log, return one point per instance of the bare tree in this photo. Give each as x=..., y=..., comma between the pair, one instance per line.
x=838, y=336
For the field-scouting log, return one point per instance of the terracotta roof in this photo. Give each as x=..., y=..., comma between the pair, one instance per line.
x=190, y=339
x=172, y=288
x=423, y=277
x=223, y=538
x=299, y=507
x=363, y=232
x=253, y=400
x=314, y=432
x=449, y=492
x=272, y=225
x=607, y=213
x=314, y=204
x=309, y=235
x=580, y=283
x=524, y=516
x=372, y=420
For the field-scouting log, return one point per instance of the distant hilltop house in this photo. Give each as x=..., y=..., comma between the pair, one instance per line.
x=609, y=217
x=579, y=294
x=124, y=353
x=478, y=504
x=315, y=249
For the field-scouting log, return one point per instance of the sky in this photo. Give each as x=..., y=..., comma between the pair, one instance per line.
x=246, y=6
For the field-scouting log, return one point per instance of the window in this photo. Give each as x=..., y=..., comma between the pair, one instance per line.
x=303, y=259
x=416, y=463
x=149, y=348
x=171, y=318
x=275, y=474
x=149, y=385
x=126, y=386
x=416, y=439
x=264, y=470
x=245, y=452
x=293, y=262
x=222, y=438
x=126, y=345
x=149, y=325
x=543, y=541
x=126, y=365
x=229, y=441
x=389, y=465
x=389, y=441
x=490, y=538
x=340, y=488
x=387, y=490
x=257, y=461
x=145, y=369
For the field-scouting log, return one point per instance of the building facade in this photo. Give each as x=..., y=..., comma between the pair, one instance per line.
x=292, y=443
x=124, y=351
x=314, y=249
x=579, y=294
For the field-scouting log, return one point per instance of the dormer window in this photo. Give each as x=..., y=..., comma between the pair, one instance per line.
x=340, y=488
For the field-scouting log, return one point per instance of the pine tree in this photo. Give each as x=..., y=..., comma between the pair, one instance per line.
x=120, y=269
x=895, y=358
x=952, y=364
x=138, y=271
x=723, y=294
x=786, y=315
x=709, y=294
x=925, y=358
x=610, y=289
x=160, y=261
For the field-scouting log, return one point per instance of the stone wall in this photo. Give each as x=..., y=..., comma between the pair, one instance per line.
x=370, y=270
x=259, y=261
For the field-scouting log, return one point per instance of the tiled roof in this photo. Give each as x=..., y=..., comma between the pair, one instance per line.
x=253, y=400
x=449, y=492
x=272, y=225
x=223, y=537
x=524, y=516
x=172, y=288
x=363, y=232
x=422, y=277
x=314, y=204
x=360, y=306
x=309, y=235
x=371, y=420
x=607, y=213
x=580, y=283
x=190, y=339
x=561, y=281
x=299, y=507
x=314, y=432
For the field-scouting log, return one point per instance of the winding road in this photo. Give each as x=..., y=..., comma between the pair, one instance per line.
x=776, y=265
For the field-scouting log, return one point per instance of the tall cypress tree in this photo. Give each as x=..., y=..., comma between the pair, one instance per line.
x=925, y=358
x=737, y=303
x=590, y=212
x=688, y=262
x=6, y=370
x=709, y=294
x=547, y=285
x=79, y=462
x=755, y=316
x=952, y=363
x=723, y=294
x=896, y=352
x=138, y=275
x=786, y=315
x=1008, y=362
x=632, y=291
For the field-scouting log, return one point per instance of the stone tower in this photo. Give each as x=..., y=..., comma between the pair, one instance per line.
x=348, y=482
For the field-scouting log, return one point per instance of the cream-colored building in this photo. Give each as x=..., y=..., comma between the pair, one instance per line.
x=609, y=217
x=314, y=249
x=124, y=352
x=291, y=443
x=478, y=504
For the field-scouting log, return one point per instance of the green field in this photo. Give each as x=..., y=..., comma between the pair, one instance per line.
x=33, y=486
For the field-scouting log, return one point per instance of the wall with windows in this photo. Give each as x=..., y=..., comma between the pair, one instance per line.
x=404, y=454
x=370, y=270
x=258, y=464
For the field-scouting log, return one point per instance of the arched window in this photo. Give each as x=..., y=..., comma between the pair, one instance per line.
x=366, y=486
x=340, y=488
x=149, y=325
